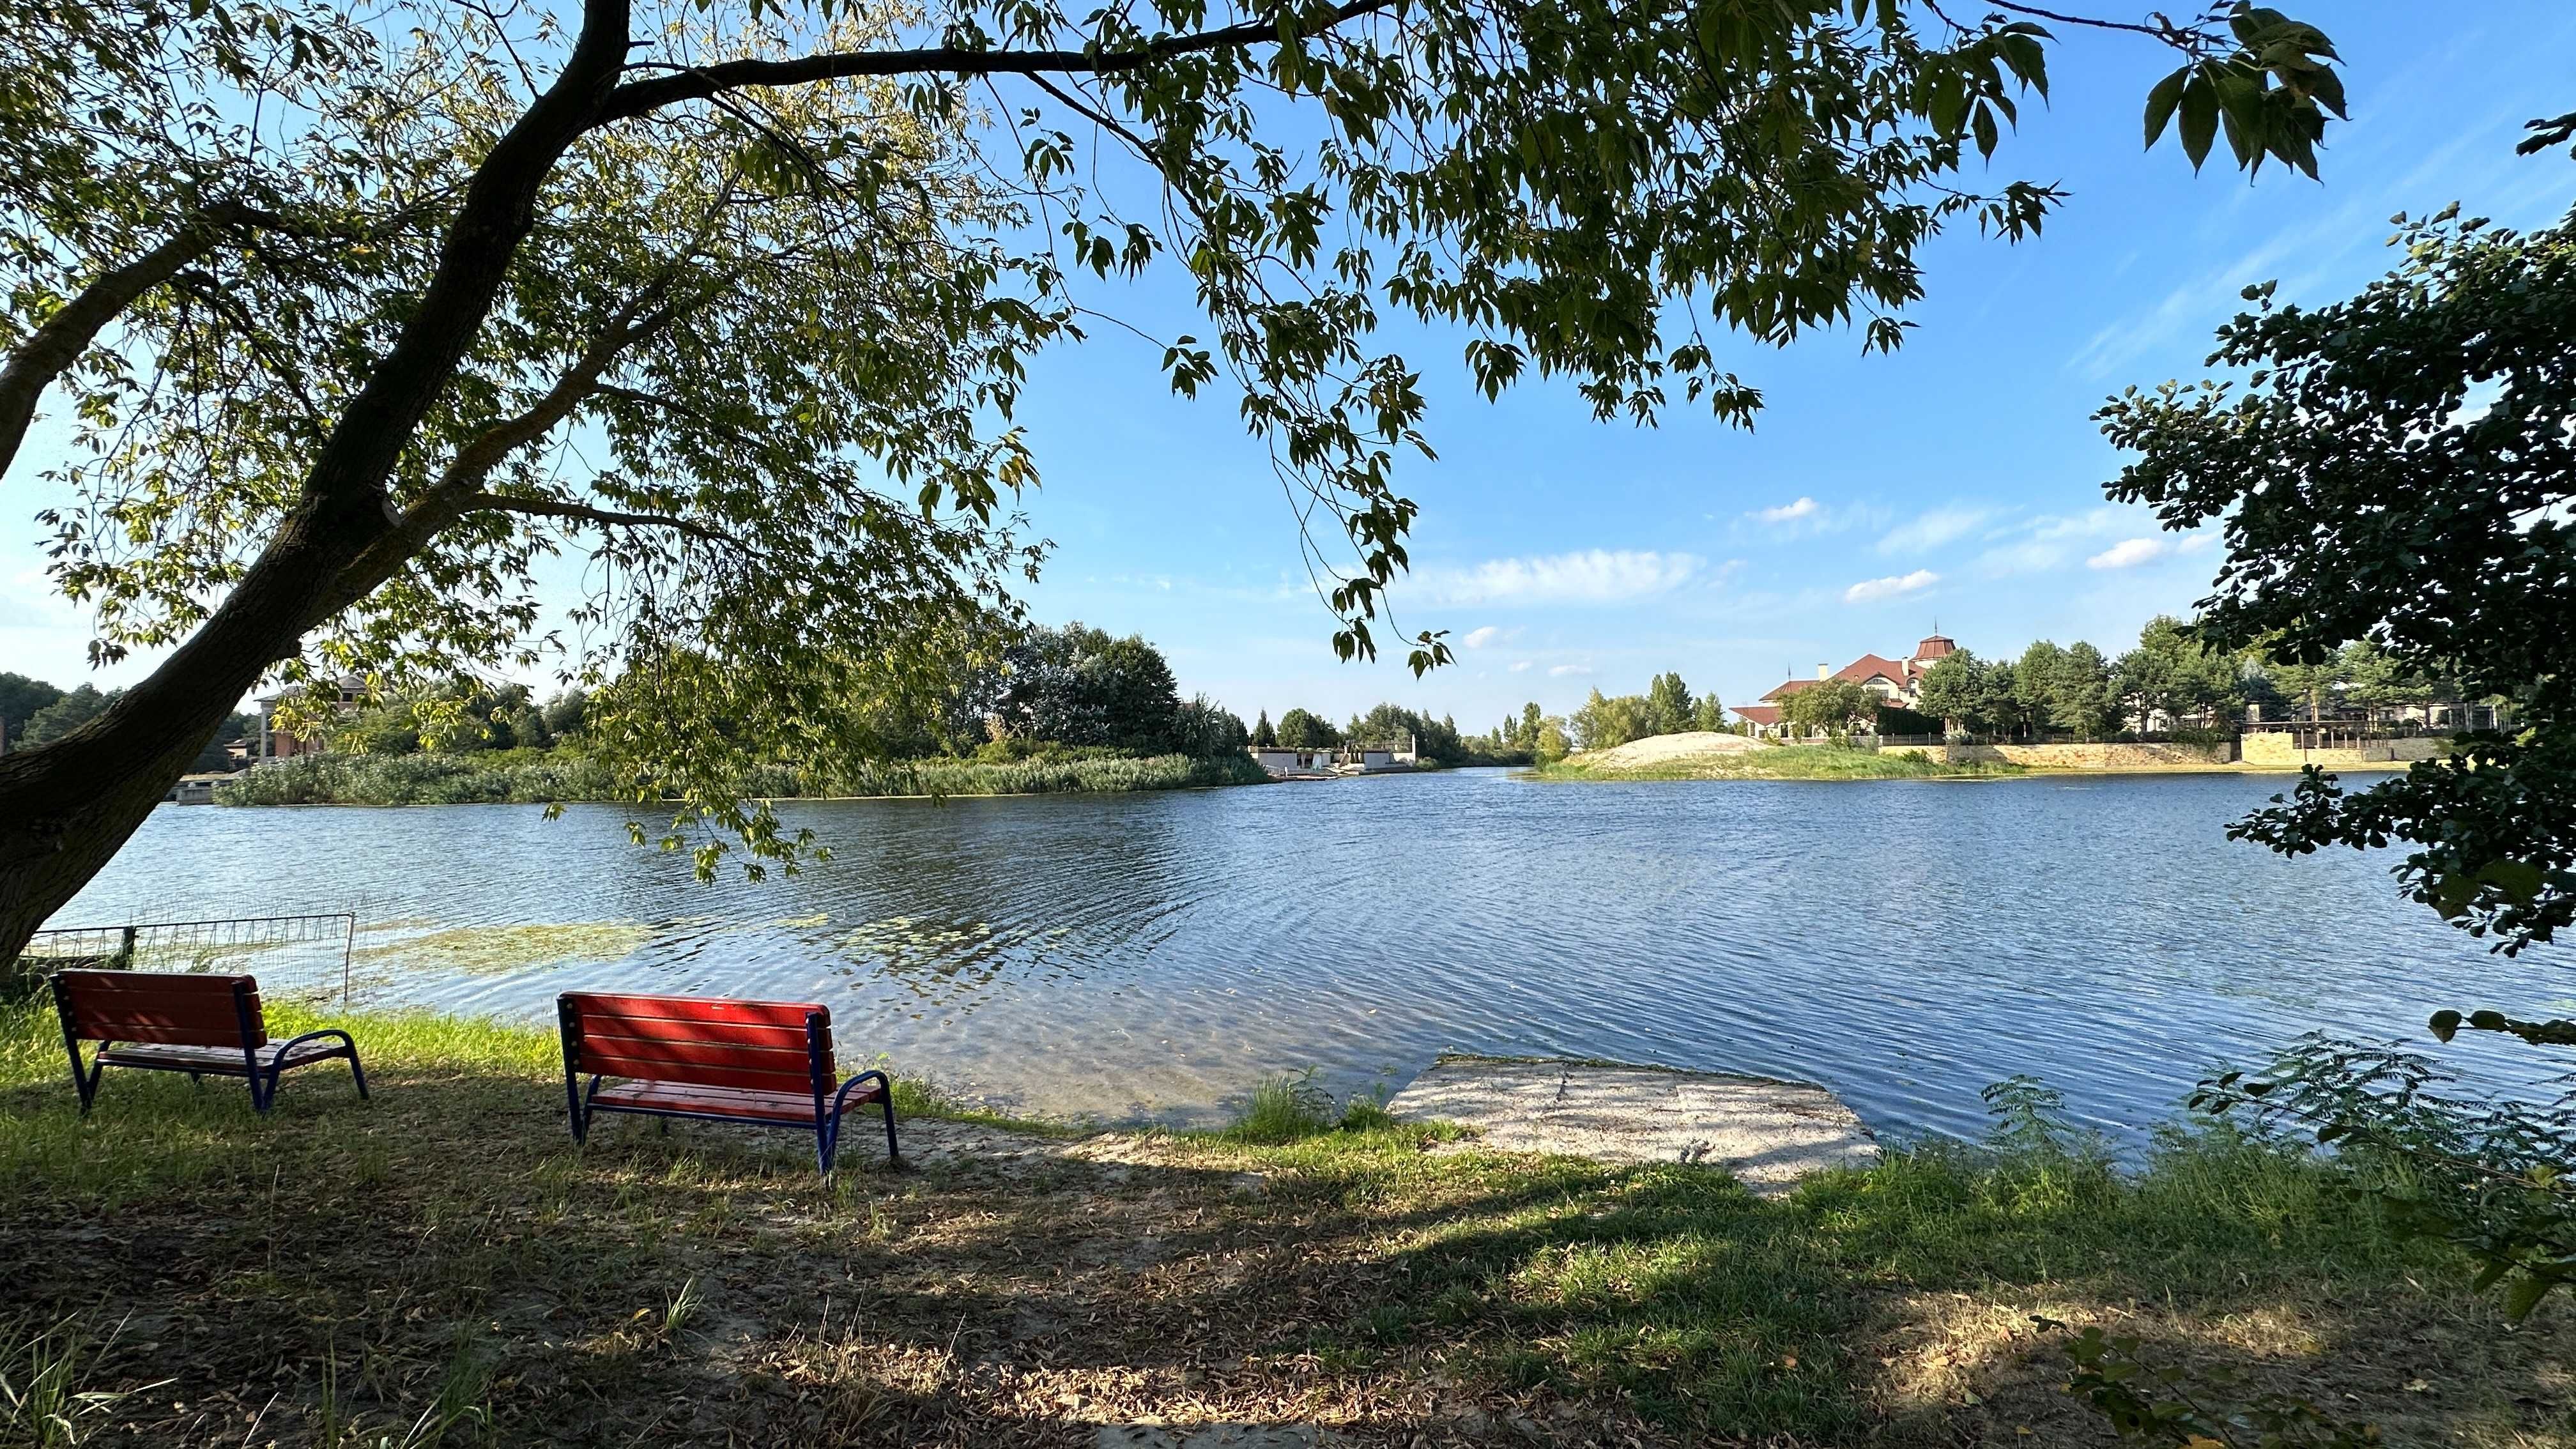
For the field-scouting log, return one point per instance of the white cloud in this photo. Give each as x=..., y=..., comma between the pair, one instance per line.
x=1519, y=664
x=1479, y=638
x=1589, y=576
x=1789, y=512
x=2054, y=540
x=1566, y=669
x=1933, y=528
x=2128, y=553
x=1890, y=587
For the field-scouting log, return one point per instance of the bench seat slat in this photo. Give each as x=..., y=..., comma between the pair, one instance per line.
x=753, y=1106
x=213, y=1061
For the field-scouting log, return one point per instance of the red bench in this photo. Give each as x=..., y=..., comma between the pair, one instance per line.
x=760, y=1063
x=206, y=1026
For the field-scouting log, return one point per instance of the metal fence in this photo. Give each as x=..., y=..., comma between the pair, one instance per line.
x=291, y=955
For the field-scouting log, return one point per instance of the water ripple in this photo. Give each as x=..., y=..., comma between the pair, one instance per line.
x=1903, y=942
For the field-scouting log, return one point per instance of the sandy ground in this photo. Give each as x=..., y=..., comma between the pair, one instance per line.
x=1664, y=749
x=1768, y=1134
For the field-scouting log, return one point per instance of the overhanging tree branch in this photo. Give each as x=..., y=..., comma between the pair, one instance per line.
x=566, y=508
x=697, y=83
x=55, y=346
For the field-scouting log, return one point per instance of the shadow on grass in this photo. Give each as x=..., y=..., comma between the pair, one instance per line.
x=443, y=1259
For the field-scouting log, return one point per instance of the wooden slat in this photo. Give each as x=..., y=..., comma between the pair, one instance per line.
x=223, y=1059
x=215, y=1061
x=158, y=1007
x=227, y=1037
x=587, y=1004
x=644, y=1069
x=704, y=1054
x=750, y=1105
x=210, y=1015
x=156, y=982
x=656, y=1028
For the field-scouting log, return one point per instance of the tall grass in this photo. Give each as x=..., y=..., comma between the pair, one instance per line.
x=1046, y=777
x=542, y=776
x=499, y=777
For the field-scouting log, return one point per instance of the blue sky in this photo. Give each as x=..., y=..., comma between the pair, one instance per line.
x=1959, y=480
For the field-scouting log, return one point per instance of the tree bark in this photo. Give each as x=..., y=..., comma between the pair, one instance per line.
x=66, y=808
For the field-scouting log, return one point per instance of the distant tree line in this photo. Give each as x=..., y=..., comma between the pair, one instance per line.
x=33, y=712
x=2171, y=676
x=1010, y=695
x=1025, y=694
x=1435, y=741
x=1666, y=708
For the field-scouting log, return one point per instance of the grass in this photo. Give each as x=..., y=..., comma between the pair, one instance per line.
x=441, y=1265
x=1789, y=762
x=546, y=776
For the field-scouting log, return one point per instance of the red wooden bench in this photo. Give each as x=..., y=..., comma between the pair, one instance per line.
x=760, y=1063
x=206, y=1026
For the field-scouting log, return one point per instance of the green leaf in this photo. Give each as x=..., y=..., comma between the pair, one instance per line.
x=2161, y=102
x=2199, y=117
x=2523, y=1296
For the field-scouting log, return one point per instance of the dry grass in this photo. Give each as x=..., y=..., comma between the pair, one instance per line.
x=441, y=1266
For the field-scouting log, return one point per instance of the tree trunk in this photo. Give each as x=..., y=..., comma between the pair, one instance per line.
x=67, y=807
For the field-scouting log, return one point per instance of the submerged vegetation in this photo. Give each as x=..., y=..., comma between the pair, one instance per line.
x=456, y=1259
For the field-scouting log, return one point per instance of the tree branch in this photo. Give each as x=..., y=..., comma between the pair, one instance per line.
x=566, y=508
x=54, y=347
x=697, y=83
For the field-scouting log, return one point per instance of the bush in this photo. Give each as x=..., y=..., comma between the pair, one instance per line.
x=547, y=776
x=487, y=777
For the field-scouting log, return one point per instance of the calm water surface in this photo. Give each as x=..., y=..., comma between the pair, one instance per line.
x=1904, y=942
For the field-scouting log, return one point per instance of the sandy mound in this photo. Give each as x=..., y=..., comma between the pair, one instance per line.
x=1664, y=749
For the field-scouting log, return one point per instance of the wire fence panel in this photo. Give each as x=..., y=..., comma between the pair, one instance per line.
x=293, y=956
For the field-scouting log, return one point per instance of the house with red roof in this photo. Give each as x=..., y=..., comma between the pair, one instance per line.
x=1897, y=681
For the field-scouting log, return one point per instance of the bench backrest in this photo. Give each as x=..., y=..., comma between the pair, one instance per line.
x=777, y=1046
x=158, y=1007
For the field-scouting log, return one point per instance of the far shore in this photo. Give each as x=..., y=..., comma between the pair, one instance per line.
x=1713, y=756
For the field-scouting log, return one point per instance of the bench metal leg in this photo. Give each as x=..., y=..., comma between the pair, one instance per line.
x=84, y=1077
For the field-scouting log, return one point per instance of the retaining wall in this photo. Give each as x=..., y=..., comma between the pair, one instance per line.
x=2280, y=749
x=2105, y=756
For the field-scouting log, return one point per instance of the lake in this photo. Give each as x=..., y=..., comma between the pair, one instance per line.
x=1150, y=955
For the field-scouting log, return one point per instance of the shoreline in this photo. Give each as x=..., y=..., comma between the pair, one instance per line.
x=1327, y=1271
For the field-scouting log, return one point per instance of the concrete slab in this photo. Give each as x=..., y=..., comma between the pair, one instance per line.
x=1769, y=1134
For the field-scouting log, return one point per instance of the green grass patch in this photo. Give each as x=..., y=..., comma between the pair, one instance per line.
x=342, y=1271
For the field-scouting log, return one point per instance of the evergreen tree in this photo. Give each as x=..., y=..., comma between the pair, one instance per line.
x=1668, y=705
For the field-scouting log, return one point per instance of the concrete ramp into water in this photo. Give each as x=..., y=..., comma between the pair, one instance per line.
x=1769, y=1134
